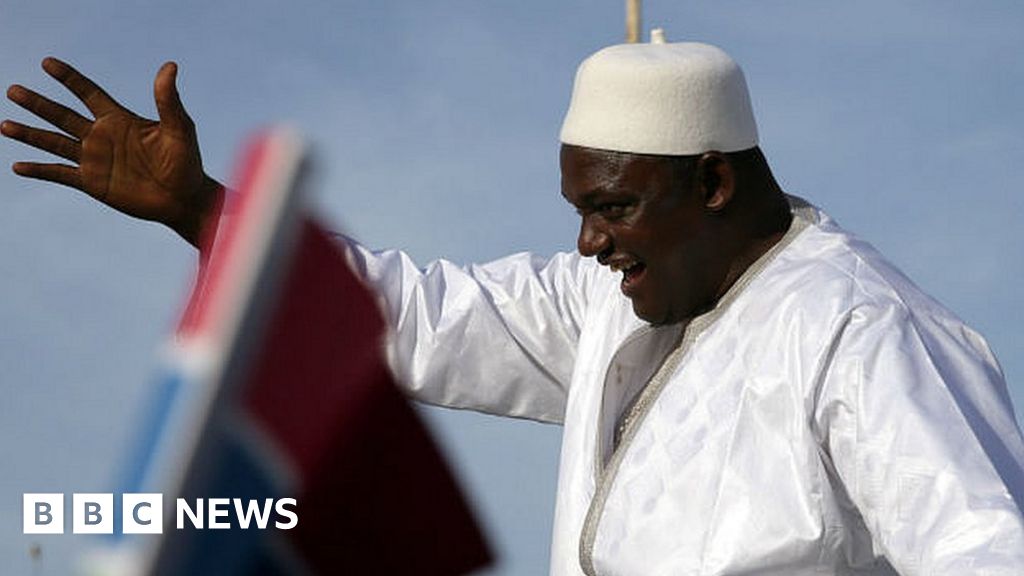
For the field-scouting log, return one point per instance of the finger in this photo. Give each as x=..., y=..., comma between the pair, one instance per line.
x=58, y=173
x=168, y=102
x=94, y=98
x=51, y=142
x=60, y=116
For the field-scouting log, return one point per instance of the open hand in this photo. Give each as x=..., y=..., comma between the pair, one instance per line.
x=144, y=168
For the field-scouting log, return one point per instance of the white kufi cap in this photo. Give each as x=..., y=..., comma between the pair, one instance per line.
x=672, y=99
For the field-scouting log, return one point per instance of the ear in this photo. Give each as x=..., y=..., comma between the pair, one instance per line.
x=716, y=180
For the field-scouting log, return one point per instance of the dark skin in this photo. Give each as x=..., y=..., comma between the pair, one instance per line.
x=149, y=169
x=683, y=228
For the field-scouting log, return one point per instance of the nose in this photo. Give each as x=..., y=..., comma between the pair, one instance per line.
x=592, y=240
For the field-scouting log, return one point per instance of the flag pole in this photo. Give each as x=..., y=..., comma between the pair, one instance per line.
x=633, y=25
x=632, y=21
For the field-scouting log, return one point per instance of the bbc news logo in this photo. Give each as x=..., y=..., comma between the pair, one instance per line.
x=144, y=513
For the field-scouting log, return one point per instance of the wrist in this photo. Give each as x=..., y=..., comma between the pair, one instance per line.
x=197, y=226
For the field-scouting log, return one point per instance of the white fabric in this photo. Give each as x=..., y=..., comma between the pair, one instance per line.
x=826, y=418
x=680, y=99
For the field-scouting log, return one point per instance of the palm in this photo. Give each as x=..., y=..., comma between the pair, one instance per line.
x=141, y=167
x=129, y=163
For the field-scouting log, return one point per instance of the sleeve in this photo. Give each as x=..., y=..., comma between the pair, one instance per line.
x=498, y=338
x=916, y=420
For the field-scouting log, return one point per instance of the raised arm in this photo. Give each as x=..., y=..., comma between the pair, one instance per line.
x=144, y=168
x=499, y=338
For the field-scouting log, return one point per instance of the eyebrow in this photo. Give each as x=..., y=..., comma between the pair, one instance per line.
x=594, y=196
x=585, y=199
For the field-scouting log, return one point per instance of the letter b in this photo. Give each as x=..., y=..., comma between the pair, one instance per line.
x=43, y=513
x=92, y=513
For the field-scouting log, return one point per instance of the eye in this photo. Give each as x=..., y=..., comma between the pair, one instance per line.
x=612, y=209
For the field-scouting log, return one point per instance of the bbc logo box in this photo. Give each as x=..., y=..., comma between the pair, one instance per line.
x=43, y=513
x=91, y=513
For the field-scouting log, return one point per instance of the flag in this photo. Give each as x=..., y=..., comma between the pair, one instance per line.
x=275, y=387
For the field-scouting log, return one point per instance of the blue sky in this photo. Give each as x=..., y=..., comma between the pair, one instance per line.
x=435, y=125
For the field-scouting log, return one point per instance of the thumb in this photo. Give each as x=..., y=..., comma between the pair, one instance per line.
x=168, y=103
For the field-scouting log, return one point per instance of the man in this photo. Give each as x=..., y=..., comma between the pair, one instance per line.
x=758, y=392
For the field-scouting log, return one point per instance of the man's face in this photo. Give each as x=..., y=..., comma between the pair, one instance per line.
x=641, y=218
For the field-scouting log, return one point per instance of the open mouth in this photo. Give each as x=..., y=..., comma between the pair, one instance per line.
x=631, y=277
